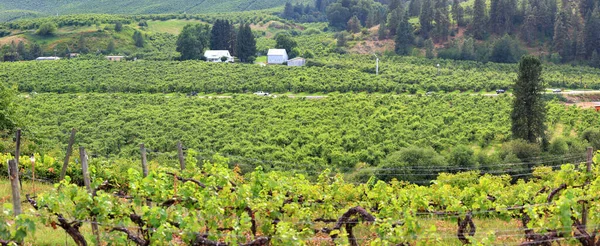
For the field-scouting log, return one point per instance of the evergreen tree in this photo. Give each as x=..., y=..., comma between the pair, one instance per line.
x=429, y=49
x=138, y=39
x=529, y=28
x=393, y=20
x=288, y=11
x=221, y=36
x=592, y=33
x=393, y=5
x=353, y=25
x=35, y=50
x=426, y=18
x=561, y=40
x=442, y=20
x=404, y=36
x=111, y=47
x=467, y=52
x=82, y=45
x=192, y=41
x=457, y=13
x=21, y=51
x=341, y=39
x=479, y=22
x=382, y=31
x=595, y=60
x=118, y=27
x=414, y=8
x=529, y=110
x=246, y=44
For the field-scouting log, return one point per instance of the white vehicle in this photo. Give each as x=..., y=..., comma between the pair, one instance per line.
x=261, y=93
x=557, y=90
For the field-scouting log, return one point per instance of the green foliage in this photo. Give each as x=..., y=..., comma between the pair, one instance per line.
x=592, y=136
x=138, y=39
x=192, y=41
x=404, y=36
x=285, y=41
x=505, y=50
x=46, y=29
x=118, y=27
x=222, y=36
x=413, y=164
x=529, y=112
x=246, y=44
x=7, y=108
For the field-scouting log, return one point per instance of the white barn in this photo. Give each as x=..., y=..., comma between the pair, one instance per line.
x=277, y=56
x=296, y=62
x=216, y=55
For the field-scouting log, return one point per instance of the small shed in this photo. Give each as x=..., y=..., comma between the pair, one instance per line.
x=217, y=55
x=597, y=107
x=296, y=62
x=49, y=58
x=115, y=58
x=277, y=56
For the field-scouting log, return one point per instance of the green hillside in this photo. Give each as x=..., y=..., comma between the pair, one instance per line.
x=10, y=9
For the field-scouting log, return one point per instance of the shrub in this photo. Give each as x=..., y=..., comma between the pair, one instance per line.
x=46, y=29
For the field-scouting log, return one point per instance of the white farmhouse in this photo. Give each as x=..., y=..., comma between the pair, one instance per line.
x=277, y=56
x=296, y=62
x=216, y=55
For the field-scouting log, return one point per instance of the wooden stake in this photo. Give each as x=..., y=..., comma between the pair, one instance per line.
x=18, y=153
x=14, y=185
x=63, y=172
x=144, y=160
x=180, y=154
x=88, y=186
x=584, y=211
x=33, y=173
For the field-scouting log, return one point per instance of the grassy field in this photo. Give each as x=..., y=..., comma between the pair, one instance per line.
x=169, y=26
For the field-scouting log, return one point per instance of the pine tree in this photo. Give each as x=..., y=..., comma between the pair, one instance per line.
x=529, y=111
x=138, y=39
x=429, y=49
x=393, y=20
x=595, y=60
x=592, y=32
x=82, y=45
x=35, y=50
x=414, y=8
x=467, y=52
x=478, y=24
x=382, y=31
x=21, y=51
x=404, y=36
x=118, y=27
x=561, y=35
x=246, y=44
x=457, y=13
x=353, y=25
x=426, y=18
x=393, y=5
x=288, y=11
x=221, y=36
x=111, y=47
x=442, y=20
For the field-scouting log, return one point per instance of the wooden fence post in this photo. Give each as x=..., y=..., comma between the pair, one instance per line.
x=18, y=153
x=144, y=160
x=14, y=185
x=180, y=155
x=584, y=211
x=88, y=186
x=63, y=172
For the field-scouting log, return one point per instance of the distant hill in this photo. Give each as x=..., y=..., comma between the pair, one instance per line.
x=11, y=9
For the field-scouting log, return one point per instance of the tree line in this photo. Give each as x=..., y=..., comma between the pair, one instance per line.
x=195, y=39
